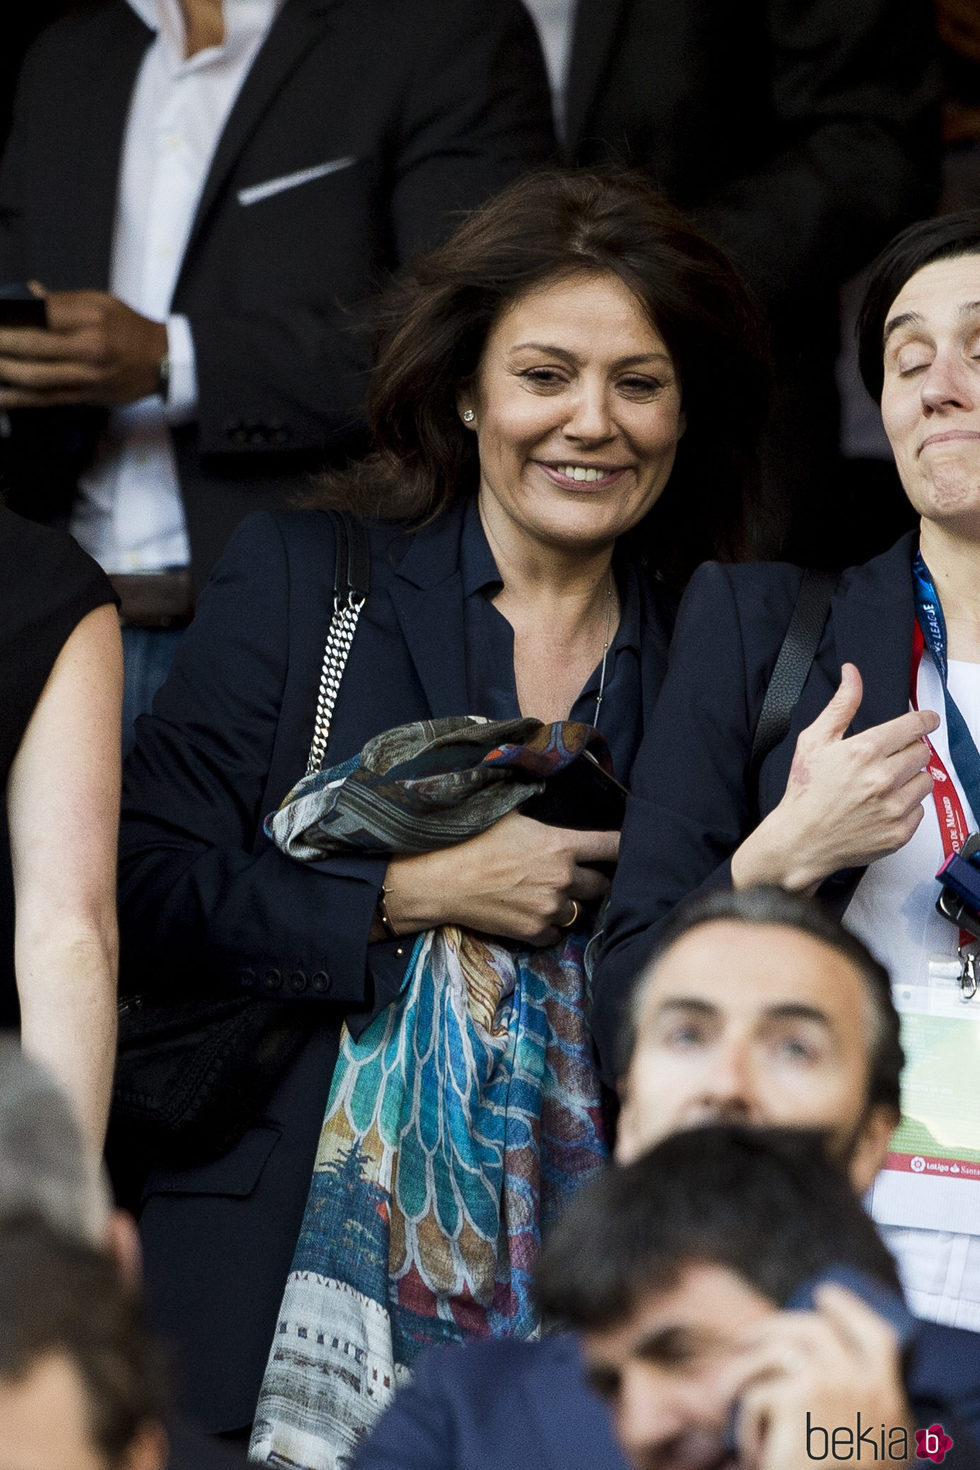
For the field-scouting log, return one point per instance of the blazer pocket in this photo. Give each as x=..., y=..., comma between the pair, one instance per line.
x=236, y=1173
x=255, y=193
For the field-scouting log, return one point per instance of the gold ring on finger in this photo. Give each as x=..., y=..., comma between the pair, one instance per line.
x=574, y=918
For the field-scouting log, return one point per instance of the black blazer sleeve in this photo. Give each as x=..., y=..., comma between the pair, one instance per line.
x=206, y=899
x=691, y=798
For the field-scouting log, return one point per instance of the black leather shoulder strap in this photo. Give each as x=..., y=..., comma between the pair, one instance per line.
x=352, y=568
x=793, y=662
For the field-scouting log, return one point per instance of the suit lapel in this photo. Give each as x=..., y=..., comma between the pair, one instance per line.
x=297, y=27
x=873, y=629
x=427, y=593
x=870, y=622
x=97, y=180
x=595, y=26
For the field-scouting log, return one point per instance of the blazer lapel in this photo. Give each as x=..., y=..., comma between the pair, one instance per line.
x=870, y=622
x=595, y=27
x=297, y=27
x=873, y=629
x=427, y=593
x=97, y=179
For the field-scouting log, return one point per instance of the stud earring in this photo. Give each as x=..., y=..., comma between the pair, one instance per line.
x=468, y=415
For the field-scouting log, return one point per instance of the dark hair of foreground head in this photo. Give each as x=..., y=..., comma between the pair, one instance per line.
x=61, y=1296
x=765, y=1203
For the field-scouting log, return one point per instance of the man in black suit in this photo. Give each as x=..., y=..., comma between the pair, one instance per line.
x=758, y=1008
x=205, y=192
x=800, y=137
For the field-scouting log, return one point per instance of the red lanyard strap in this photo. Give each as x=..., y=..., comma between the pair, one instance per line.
x=953, y=827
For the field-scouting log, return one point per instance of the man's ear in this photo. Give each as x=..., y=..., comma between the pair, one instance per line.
x=871, y=1146
x=149, y=1448
x=122, y=1241
x=627, y=1147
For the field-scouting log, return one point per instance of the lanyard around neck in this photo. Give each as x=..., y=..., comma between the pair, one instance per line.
x=930, y=633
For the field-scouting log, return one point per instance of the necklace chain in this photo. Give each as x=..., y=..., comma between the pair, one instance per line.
x=605, y=650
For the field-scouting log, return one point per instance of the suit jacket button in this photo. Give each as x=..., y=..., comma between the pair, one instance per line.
x=258, y=435
x=272, y=979
x=321, y=982
x=247, y=978
x=297, y=982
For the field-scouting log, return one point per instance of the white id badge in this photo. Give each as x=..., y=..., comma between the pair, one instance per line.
x=931, y=1178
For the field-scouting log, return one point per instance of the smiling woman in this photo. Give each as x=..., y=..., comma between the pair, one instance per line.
x=565, y=408
x=576, y=408
x=878, y=780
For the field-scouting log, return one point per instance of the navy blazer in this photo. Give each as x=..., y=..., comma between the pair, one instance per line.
x=417, y=111
x=206, y=899
x=693, y=800
x=528, y=1406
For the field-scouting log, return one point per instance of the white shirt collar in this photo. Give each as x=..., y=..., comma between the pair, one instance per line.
x=244, y=20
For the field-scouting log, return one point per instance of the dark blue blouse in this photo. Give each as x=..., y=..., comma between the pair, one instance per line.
x=489, y=640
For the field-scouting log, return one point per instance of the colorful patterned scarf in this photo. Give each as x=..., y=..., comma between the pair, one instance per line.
x=457, y=1123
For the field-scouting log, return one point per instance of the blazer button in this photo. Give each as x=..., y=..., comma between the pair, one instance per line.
x=321, y=982
x=297, y=982
x=247, y=978
x=272, y=979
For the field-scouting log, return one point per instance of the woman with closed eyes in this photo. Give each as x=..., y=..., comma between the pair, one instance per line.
x=877, y=782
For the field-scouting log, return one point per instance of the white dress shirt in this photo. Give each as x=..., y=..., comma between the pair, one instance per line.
x=129, y=514
x=931, y=1226
x=555, y=20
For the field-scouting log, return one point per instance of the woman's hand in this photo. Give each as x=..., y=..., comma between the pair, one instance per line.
x=518, y=880
x=846, y=802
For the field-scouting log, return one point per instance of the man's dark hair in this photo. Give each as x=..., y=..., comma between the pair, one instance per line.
x=766, y=1203
x=59, y=1295
x=543, y=229
x=767, y=904
x=942, y=238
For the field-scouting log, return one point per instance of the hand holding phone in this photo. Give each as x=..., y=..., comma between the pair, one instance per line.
x=85, y=347
x=831, y=1361
x=21, y=307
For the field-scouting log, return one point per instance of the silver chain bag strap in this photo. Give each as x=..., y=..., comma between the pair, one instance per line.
x=351, y=584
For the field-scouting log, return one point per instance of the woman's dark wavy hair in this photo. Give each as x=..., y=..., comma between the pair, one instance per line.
x=942, y=238
x=434, y=321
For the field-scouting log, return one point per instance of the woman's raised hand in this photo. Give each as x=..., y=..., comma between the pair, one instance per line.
x=518, y=880
x=847, y=801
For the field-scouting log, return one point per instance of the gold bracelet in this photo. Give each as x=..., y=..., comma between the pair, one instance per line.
x=383, y=915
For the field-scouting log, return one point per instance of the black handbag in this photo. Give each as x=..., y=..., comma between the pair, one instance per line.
x=194, y=1071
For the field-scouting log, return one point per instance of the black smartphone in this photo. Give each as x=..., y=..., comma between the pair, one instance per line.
x=583, y=796
x=884, y=1300
x=19, y=307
